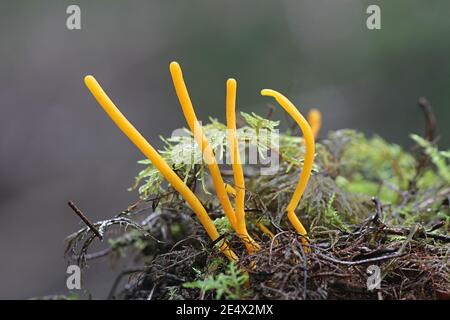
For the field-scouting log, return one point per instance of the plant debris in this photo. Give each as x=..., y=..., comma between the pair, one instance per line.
x=370, y=206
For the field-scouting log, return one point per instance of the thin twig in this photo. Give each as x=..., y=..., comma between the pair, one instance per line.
x=430, y=119
x=98, y=254
x=271, y=109
x=85, y=220
x=420, y=234
x=120, y=276
x=411, y=234
x=430, y=133
x=363, y=261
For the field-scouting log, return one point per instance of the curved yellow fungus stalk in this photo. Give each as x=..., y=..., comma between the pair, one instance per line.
x=238, y=173
x=208, y=153
x=230, y=189
x=315, y=121
x=141, y=143
x=308, y=161
x=265, y=230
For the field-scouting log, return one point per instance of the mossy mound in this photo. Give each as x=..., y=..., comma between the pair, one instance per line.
x=368, y=203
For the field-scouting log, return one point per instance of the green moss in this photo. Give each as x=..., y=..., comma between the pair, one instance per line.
x=349, y=170
x=226, y=285
x=439, y=158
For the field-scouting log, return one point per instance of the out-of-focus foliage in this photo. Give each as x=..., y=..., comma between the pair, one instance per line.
x=439, y=158
x=368, y=165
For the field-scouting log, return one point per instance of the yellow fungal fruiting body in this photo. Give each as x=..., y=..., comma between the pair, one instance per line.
x=289, y=107
x=315, y=121
x=236, y=216
x=238, y=173
x=208, y=154
x=230, y=190
x=265, y=230
x=141, y=143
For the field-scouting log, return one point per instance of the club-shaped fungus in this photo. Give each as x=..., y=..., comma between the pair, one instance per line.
x=289, y=107
x=315, y=121
x=141, y=143
x=235, y=216
x=202, y=141
x=238, y=173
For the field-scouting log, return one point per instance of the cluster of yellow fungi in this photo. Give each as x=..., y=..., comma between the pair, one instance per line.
x=236, y=215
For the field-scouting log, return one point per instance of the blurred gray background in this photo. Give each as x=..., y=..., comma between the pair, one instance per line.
x=56, y=144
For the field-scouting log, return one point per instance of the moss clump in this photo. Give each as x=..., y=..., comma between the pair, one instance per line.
x=363, y=200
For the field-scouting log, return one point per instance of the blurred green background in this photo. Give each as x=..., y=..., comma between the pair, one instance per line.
x=57, y=145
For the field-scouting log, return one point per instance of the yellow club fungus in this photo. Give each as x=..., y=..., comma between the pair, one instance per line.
x=308, y=161
x=230, y=190
x=208, y=153
x=238, y=173
x=236, y=216
x=265, y=230
x=141, y=143
x=260, y=225
x=315, y=121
